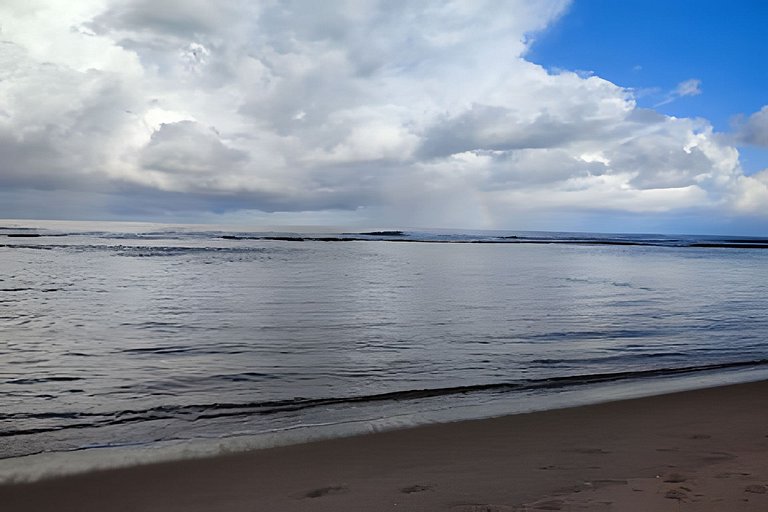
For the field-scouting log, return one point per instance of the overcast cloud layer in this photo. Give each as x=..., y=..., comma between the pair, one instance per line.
x=407, y=113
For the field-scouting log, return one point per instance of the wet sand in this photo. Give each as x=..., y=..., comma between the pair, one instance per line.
x=704, y=450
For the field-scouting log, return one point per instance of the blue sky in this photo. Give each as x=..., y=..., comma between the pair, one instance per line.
x=583, y=115
x=653, y=45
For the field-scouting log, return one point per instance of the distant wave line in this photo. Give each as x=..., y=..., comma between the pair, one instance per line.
x=512, y=241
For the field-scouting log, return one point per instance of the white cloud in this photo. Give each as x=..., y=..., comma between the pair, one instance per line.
x=51, y=31
x=421, y=112
x=691, y=87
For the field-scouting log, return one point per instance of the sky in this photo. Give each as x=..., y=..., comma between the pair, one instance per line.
x=583, y=115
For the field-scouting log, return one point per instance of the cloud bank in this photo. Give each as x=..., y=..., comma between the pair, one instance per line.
x=394, y=112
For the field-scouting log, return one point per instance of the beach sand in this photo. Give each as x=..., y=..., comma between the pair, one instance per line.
x=704, y=450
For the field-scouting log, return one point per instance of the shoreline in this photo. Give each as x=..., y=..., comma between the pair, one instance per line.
x=704, y=449
x=55, y=464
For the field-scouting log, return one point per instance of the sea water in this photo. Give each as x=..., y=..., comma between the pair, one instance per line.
x=147, y=336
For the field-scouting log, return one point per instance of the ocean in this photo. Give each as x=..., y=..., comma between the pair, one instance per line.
x=132, y=342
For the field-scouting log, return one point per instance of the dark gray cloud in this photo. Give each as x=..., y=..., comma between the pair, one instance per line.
x=655, y=163
x=183, y=19
x=496, y=128
x=186, y=148
x=754, y=129
x=57, y=124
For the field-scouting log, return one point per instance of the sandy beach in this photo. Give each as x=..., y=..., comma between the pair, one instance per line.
x=698, y=450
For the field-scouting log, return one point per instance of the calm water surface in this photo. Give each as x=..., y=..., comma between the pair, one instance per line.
x=113, y=338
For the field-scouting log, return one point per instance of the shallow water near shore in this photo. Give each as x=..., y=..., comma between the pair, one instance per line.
x=160, y=336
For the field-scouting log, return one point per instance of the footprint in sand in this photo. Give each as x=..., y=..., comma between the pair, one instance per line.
x=325, y=491
x=597, y=484
x=549, y=505
x=483, y=508
x=591, y=451
x=676, y=494
x=729, y=474
x=415, y=488
x=718, y=457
